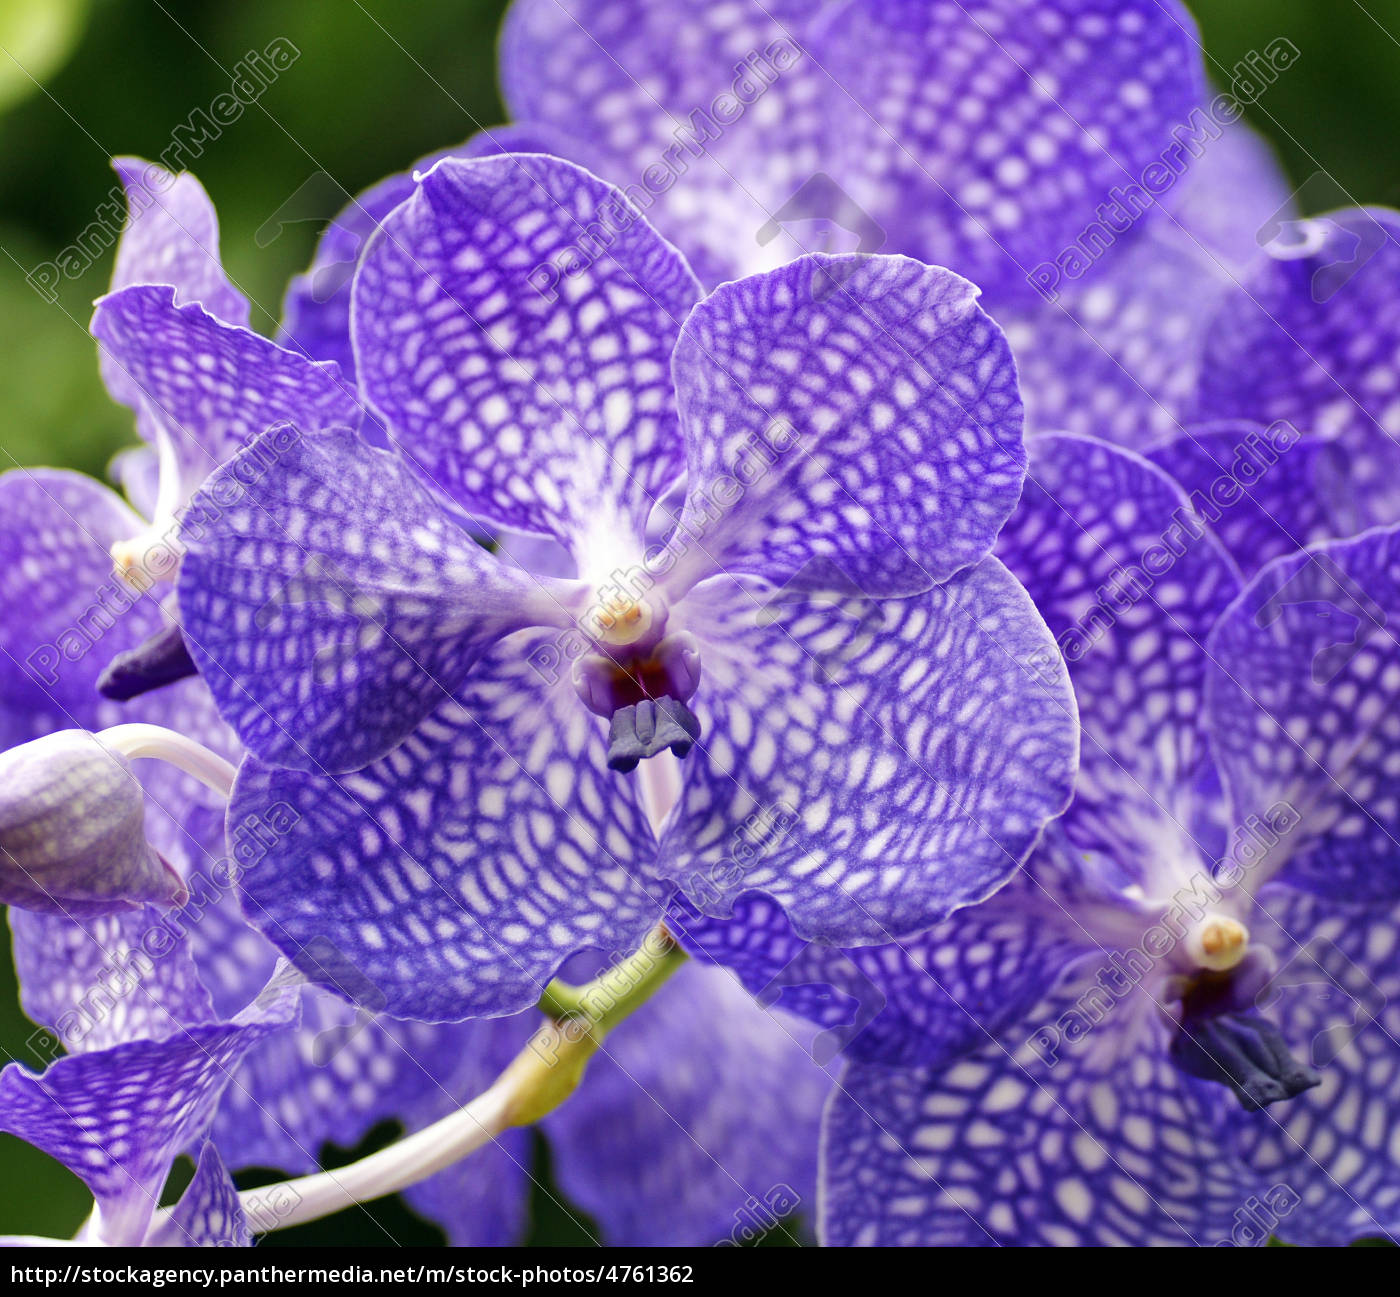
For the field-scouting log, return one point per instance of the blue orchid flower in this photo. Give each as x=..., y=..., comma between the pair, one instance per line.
x=601, y=599
x=1127, y=1044
x=980, y=137
x=1310, y=336
x=129, y=989
x=486, y=806
x=1125, y=247
x=1289, y=439
x=723, y=1099
x=1068, y=148
x=168, y=258
x=100, y=570
x=145, y=987
x=94, y=575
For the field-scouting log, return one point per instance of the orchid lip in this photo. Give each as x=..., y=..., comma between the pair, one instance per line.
x=162, y=659
x=1244, y=1051
x=648, y=728
x=1222, y=1037
x=643, y=697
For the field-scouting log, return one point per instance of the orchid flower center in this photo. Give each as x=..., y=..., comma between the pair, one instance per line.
x=142, y=562
x=640, y=677
x=620, y=620
x=1218, y=943
x=149, y=557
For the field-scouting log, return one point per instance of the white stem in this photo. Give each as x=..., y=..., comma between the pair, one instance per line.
x=660, y=787
x=155, y=741
x=535, y=1082
x=409, y=1161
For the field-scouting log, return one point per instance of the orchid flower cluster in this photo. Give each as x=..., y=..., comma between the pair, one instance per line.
x=817, y=732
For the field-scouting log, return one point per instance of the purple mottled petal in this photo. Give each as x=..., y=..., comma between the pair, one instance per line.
x=914, y=1003
x=513, y=325
x=208, y=1213
x=1302, y=707
x=1330, y=1156
x=693, y=1126
x=1110, y=1145
x=710, y=116
x=172, y=237
x=457, y=873
x=210, y=387
x=343, y=1069
x=1130, y=583
x=961, y=134
x=1266, y=492
x=235, y=960
x=119, y=1117
x=1230, y=193
x=108, y=980
x=992, y=136
x=333, y=1079
x=872, y=765
x=826, y=985
x=1116, y=355
x=862, y=410
x=1311, y=336
x=1116, y=352
x=331, y=601
x=56, y=528
x=316, y=310
x=77, y=614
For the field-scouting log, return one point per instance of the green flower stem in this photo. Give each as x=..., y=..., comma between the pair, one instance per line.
x=541, y=1077
x=620, y=989
x=550, y=1067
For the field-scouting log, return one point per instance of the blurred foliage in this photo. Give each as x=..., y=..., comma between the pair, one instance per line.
x=36, y=36
x=377, y=85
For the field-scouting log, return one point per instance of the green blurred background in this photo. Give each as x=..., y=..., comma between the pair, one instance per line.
x=377, y=85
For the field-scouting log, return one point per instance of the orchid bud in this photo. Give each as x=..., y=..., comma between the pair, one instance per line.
x=72, y=830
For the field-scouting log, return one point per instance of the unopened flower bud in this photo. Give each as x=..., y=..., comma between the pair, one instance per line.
x=72, y=830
